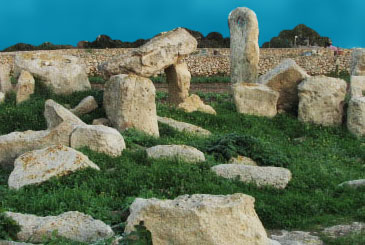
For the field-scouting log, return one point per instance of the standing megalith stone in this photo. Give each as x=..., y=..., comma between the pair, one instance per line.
x=357, y=66
x=178, y=78
x=245, y=50
x=356, y=116
x=357, y=86
x=321, y=100
x=5, y=84
x=24, y=87
x=129, y=102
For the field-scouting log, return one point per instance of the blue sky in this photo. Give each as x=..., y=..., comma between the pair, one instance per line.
x=70, y=21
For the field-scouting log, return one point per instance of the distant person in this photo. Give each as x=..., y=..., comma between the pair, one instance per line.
x=335, y=49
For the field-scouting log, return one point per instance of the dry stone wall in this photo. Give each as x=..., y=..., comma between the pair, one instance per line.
x=210, y=61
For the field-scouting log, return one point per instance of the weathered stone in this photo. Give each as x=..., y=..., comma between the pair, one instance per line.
x=357, y=86
x=194, y=103
x=255, y=99
x=284, y=78
x=358, y=62
x=38, y=166
x=242, y=160
x=261, y=176
x=3, y=242
x=245, y=50
x=5, y=84
x=296, y=238
x=86, y=105
x=101, y=121
x=2, y=97
x=321, y=100
x=24, y=87
x=343, y=230
x=184, y=127
x=356, y=116
x=129, y=102
x=182, y=152
x=98, y=138
x=63, y=73
x=55, y=114
x=72, y=225
x=178, y=79
x=157, y=54
x=354, y=183
x=199, y=219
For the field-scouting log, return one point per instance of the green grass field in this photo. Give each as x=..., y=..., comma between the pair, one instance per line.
x=322, y=159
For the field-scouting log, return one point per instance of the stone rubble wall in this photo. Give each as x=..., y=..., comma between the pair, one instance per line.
x=211, y=61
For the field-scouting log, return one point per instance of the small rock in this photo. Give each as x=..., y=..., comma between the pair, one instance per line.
x=194, y=103
x=343, y=230
x=354, y=183
x=40, y=165
x=183, y=126
x=296, y=238
x=24, y=87
x=261, y=176
x=98, y=138
x=72, y=225
x=102, y=121
x=242, y=160
x=182, y=152
x=86, y=105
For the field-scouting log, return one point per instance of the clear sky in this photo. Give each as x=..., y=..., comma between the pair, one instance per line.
x=70, y=21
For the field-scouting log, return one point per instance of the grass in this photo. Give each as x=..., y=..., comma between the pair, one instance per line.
x=324, y=158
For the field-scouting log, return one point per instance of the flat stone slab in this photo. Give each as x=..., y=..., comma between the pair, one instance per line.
x=296, y=238
x=72, y=225
x=182, y=152
x=262, y=176
x=40, y=165
x=183, y=126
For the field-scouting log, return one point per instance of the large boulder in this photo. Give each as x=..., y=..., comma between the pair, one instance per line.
x=255, y=99
x=85, y=106
x=38, y=166
x=160, y=52
x=194, y=103
x=358, y=62
x=357, y=86
x=129, y=102
x=178, y=79
x=183, y=126
x=5, y=84
x=245, y=50
x=98, y=138
x=71, y=225
x=24, y=87
x=356, y=116
x=182, y=152
x=284, y=78
x=63, y=73
x=199, y=219
x=321, y=100
x=261, y=176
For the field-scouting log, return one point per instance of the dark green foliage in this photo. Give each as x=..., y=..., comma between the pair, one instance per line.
x=97, y=80
x=351, y=239
x=8, y=227
x=139, y=237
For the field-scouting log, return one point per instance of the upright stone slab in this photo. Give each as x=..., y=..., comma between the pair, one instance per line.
x=358, y=62
x=356, y=116
x=357, y=86
x=284, y=78
x=63, y=73
x=129, y=102
x=5, y=84
x=321, y=100
x=245, y=50
x=178, y=79
x=160, y=52
x=24, y=87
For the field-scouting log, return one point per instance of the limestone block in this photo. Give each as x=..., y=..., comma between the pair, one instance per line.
x=24, y=87
x=182, y=152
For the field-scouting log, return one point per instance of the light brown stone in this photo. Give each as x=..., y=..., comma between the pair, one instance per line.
x=199, y=219
x=255, y=99
x=357, y=66
x=24, y=87
x=321, y=100
x=182, y=152
x=244, y=46
x=5, y=84
x=194, y=103
x=284, y=78
x=85, y=106
x=184, y=127
x=101, y=121
x=357, y=86
x=178, y=79
x=129, y=102
x=242, y=160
